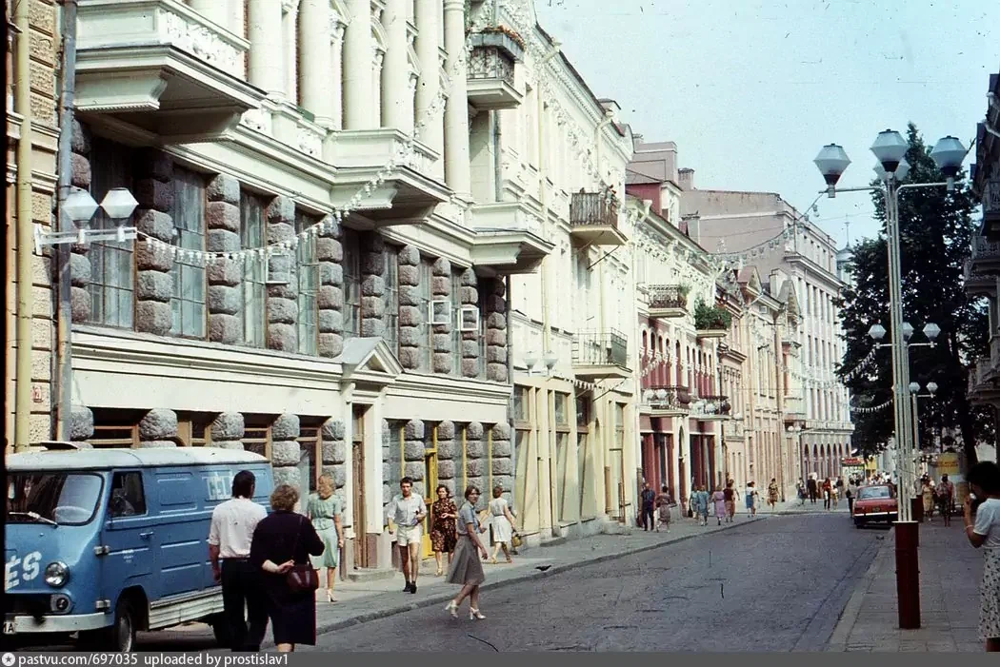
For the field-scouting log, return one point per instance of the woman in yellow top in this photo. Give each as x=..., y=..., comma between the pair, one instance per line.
x=324, y=510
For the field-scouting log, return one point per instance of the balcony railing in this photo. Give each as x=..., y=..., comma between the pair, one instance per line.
x=985, y=249
x=668, y=398
x=603, y=348
x=667, y=300
x=490, y=72
x=588, y=209
x=715, y=405
x=491, y=62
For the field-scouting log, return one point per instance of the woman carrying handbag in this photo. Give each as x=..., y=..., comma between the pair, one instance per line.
x=282, y=544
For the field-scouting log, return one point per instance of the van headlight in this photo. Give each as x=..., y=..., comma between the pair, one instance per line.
x=56, y=574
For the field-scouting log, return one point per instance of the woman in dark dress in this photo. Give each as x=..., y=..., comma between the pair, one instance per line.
x=284, y=539
x=443, y=535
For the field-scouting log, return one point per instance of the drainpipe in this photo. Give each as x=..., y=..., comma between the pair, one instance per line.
x=64, y=319
x=543, y=196
x=25, y=238
x=510, y=405
x=780, y=389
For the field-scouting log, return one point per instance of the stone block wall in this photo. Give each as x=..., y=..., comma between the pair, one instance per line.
x=335, y=452
x=330, y=302
x=80, y=269
x=372, y=285
x=285, y=450
x=496, y=330
x=154, y=287
x=413, y=455
x=446, y=446
x=470, y=339
x=411, y=317
x=443, y=360
x=503, y=459
x=282, y=299
x=158, y=428
x=477, y=461
x=227, y=431
x=225, y=276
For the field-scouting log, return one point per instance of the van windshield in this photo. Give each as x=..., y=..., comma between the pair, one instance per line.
x=59, y=498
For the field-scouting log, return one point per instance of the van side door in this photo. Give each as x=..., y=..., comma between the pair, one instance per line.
x=129, y=533
x=183, y=541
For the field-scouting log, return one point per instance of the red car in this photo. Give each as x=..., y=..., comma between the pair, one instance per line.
x=875, y=503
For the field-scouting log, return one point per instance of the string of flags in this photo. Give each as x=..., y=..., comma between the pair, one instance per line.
x=864, y=363
x=871, y=409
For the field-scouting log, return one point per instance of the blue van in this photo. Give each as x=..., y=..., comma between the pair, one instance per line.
x=105, y=542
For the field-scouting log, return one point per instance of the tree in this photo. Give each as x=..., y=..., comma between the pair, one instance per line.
x=936, y=229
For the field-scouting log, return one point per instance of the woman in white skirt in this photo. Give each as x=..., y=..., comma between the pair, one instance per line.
x=984, y=482
x=503, y=524
x=466, y=569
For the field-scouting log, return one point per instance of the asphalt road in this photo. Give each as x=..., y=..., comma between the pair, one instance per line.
x=775, y=585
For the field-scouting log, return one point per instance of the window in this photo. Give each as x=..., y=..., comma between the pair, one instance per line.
x=194, y=429
x=127, y=497
x=257, y=435
x=188, y=304
x=522, y=404
x=392, y=298
x=311, y=461
x=426, y=296
x=582, y=412
x=253, y=234
x=456, y=310
x=620, y=424
x=394, y=457
x=352, y=283
x=560, y=409
x=112, y=264
x=308, y=276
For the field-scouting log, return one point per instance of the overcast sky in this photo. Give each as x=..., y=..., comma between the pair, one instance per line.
x=751, y=89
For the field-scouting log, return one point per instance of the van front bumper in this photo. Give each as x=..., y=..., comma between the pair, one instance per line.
x=56, y=623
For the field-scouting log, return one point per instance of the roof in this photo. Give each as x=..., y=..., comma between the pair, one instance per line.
x=103, y=459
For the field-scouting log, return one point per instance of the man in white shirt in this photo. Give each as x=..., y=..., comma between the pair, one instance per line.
x=229, y=538
x=407, y=512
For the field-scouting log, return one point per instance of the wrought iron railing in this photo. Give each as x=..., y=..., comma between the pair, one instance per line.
x=593, y=208
x=491, y=62
x=984, y=249
x=600, y=348
x=668, y=398
x=716, y=404
x=667, y=296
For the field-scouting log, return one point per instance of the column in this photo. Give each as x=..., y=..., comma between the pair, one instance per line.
x=456, y=115
x=266, y=59
x=336, y=87
x=357, y=68
x=314, y=40
x=227, y=14
x=396, y=110
x=429, y=86
x=289, y=47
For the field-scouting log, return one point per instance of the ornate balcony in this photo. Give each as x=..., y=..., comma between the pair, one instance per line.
x=508, y=239
x=601, y=355
x=667, y=401
x=795, y=410
x=593, y=219
x=713, y=407
x=977, y=284
x=491, y=84
x=991, y=208
x=985, y=257
x=667, y=301
x=159, y=66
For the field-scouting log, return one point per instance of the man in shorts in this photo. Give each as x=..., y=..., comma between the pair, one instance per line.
x=407, y=512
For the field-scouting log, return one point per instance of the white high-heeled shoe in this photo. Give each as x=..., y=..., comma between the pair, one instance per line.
x=474, y=615
x=452, y=609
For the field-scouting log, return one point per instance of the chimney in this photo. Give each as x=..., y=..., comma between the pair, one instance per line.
x=685, y=179
x=636, y=140
x=691, y=225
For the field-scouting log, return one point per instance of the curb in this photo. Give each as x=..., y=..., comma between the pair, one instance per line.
x=849, y=616
x=438, y=598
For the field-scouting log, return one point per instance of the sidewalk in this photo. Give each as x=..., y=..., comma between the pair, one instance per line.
x=950, y=572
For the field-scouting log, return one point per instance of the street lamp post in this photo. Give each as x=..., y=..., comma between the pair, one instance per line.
x=890, y=149
x=915, y=394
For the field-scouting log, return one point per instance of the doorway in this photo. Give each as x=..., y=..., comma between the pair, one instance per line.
x=362, y=554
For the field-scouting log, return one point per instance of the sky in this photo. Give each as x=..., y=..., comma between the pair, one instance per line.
x=751, y=89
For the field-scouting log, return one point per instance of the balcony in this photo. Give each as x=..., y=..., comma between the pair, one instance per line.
x=668, y=301
x=712, y=407
x=667, y=401
x=593, y=219
x=795, y=410
x=985, y=257
x=491, y=85
x=159, y=66
x=508, y=239
x=601, y=355
x=977, y=284
x=991, y=208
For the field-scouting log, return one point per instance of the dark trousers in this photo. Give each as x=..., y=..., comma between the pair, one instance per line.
x=244, y=604
x=850, y=506
x=812, y=495
x=647, y=517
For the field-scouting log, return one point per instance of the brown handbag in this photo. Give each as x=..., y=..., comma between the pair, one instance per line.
x=302, y=578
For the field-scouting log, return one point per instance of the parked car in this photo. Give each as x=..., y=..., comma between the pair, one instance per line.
x=875, y=503
x=105, y=542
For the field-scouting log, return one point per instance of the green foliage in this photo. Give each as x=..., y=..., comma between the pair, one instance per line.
x=711, y=317
x=936, y=228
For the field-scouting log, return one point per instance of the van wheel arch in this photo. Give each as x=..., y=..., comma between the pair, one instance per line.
x=136, y=597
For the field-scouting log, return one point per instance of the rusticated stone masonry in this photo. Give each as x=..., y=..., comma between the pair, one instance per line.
x=227, y=430
x=282, y=303
x=446, y=457
x=388, y=460
x=154, y=286
x=158, y=428
x=470, y=339
x=413, y=455
x=496, y=330
x=81, y=424
x=225, y=298
x=410, y=315
x=443, y=360
x=285, y=450
x=372, y=285
x=503, y=462
x=476, y=462
x=330, y=302
x=80, y=270
x=335, y=451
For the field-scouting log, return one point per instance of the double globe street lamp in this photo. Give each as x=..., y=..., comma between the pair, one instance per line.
x=890, y=150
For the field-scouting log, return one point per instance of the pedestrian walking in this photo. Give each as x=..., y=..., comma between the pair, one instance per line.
x=850, y=497
x=751, y=499
x=407, y=510
x=800, y=490
x=663, y=505
x=700, y=499
x=984, y=531
x=827, y=493
x=839, y=488
x=772, y=494
x=503, y=524
x=719, y=500
x=927, y=496
x=466, y=569
x=812, y=490
x=946, y=498
x=282, y=541
x=443, y=516
x=730, y=494
x=324, y=510
x=230, y=536
x=648, y=500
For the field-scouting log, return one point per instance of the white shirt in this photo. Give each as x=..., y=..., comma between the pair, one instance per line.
x=988, y=523
x=403, y=511
x=233, y=523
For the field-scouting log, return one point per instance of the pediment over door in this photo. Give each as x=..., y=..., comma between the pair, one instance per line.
x=369, y=361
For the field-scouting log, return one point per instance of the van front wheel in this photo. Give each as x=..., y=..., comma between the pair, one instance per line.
x=119, y=637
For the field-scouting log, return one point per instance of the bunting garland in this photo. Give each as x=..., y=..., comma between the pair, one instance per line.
x=869, y=410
